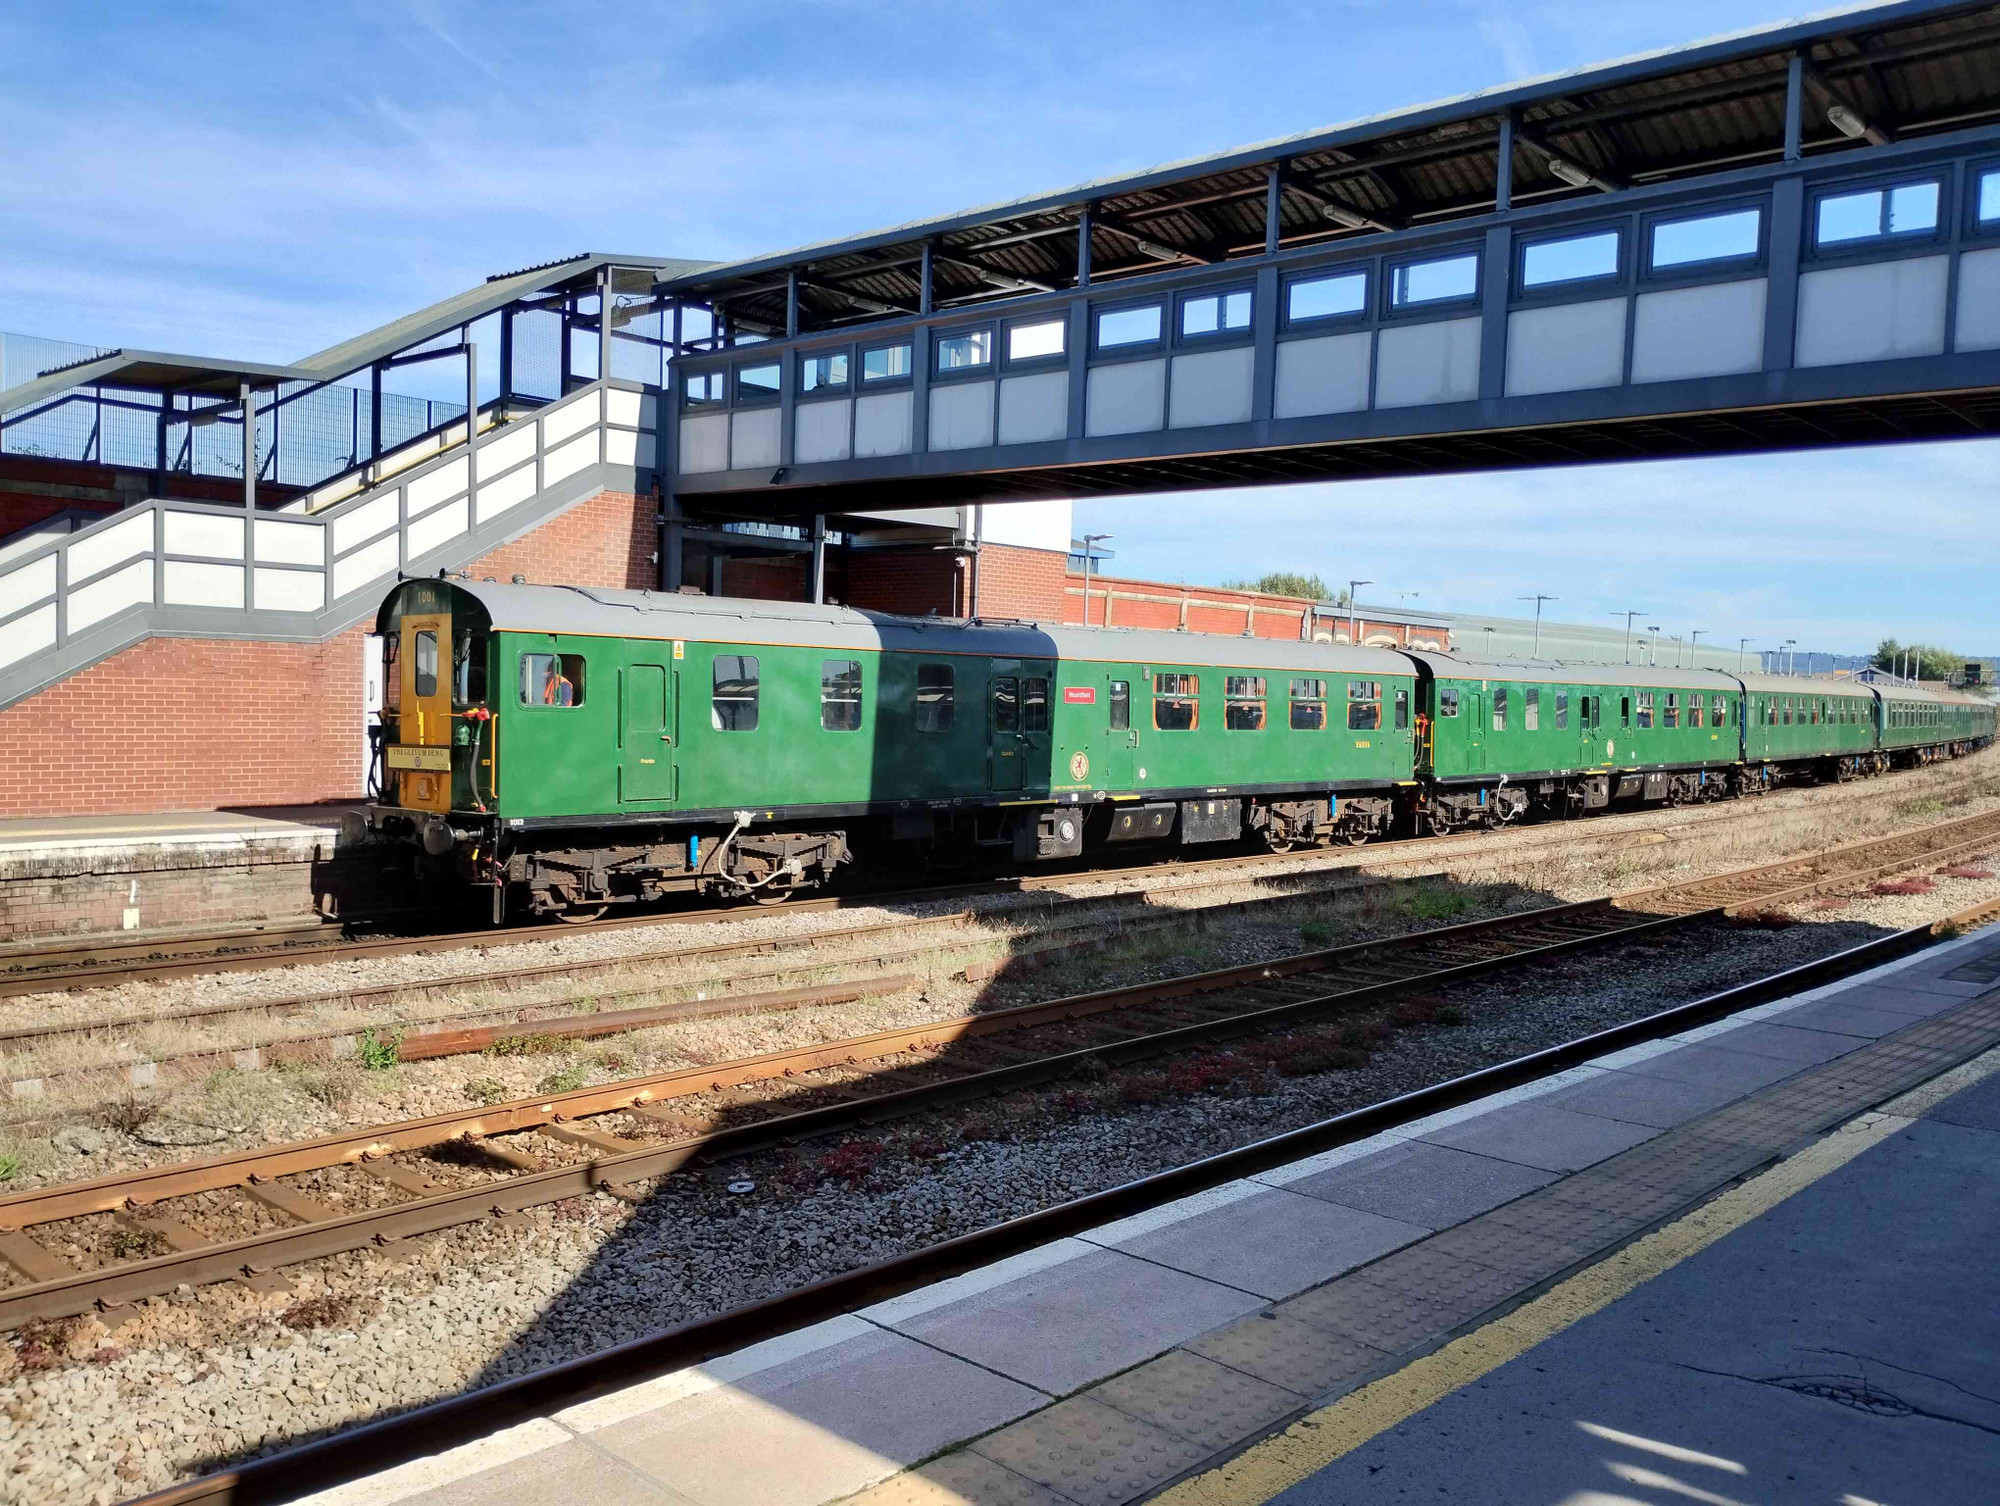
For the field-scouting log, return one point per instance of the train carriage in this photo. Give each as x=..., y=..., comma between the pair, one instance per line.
x=1792, y=724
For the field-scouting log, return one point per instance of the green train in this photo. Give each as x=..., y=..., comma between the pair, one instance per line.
x=567, y=748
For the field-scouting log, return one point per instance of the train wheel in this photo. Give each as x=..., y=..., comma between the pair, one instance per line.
x=773, y=897
x=1352, y=837
x=581, y=915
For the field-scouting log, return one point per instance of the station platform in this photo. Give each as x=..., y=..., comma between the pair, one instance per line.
x=1747, y=1263
x=75, y=875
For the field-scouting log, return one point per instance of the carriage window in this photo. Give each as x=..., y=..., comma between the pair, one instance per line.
x=1034, y=705
x=1645, y=708
x=1562, y=711
x=840, y=695
x=1243, y=703
x=1121, y=705
x=468, y=669
x=1308, y=705
x=1596, y=711
x=1695, y=709
x=1673, y=716
x=1500, y=711
x=1531, y=702
x=1785, y=711
x=1721, y=709
x=392, y=674
x=1447, y=702
x=1625, y=711
x=1006, y=704
x=1402, y=711
x=1174, y=706
x=552, y=679
x=424, y=676
x=934, y=697
x=1364, y=705
x=733, y=705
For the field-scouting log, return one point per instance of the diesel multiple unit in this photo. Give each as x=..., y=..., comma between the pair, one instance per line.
x=567, y=748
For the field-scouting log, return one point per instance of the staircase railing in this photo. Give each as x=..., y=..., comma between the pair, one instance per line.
x=188, y=569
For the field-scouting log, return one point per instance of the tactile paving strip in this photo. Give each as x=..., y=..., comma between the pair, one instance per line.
x=1131, y=1434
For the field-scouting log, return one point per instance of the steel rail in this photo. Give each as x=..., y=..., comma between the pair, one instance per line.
x=16, y=978
x=379, y=1445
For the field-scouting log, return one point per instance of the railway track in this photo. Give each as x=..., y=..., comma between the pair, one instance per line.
x=459, y=1420
x=109, y=961
x=374, y=1186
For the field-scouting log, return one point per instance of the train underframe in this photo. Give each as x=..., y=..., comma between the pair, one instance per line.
x=577, y=873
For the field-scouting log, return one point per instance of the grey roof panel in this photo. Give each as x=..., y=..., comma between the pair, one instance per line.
x=1552, y=672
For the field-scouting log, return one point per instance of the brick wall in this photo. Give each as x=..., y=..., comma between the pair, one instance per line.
x=189, y=724
x=1024, y=583
x=205, y=724
x=33, y=488
x=1167, y=605
x=916, y=582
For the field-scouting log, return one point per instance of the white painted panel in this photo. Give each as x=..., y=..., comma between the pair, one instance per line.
x=1876, y=312
x=1211, y=387
x=512, y=489
x=204, y=534
x=367, y=520
x=648, y=454
x=508, y=448
x=100, y=551
x=1128, y=398
x=290, y=590
x=704, y=444
x=191, y=585
x=1328, y=374
x=962, y=416
x=621, y=446
x=820, y=432
x=1428, y=363
x=130, y=587
x=1566, y=347
x=436, y=528
x=290, y=543
x=27, y=635
x=883, y=423
x=572, y=418
x=753, y=438
x=1978, y=326
x=566, y=460
x=1713, y=330
x=364, y=565
x=431, y=488
x=29, y=583
x=1028, y=525
x=1034, y=408
x=622, y=407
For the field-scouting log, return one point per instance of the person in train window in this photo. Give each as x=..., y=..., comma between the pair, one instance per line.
x=556, y=689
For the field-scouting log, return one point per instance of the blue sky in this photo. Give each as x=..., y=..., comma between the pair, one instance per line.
x=261, y=180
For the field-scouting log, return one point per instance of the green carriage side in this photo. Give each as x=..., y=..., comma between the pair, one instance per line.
x=1792, y=719
x=1919, y=725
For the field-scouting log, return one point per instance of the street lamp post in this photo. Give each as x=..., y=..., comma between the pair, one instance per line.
x=1653, y=645
x=1677, y=650
x=1628, y=632
x=1353, y=632
x=1694, y=647
x=1791, y=656
x=1538, y=599
x=1088, y=540
x=1742, y=645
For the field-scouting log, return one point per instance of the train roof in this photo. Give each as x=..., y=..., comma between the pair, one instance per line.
x=594, y=611
x=1803, y=685
x=1555, y=672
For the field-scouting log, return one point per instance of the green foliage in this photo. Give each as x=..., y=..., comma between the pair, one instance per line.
x=1290, y=583
x=1932, y=662
x=10, y=1168
x=378, y=1052
x=566, y=1081
x=1435, y=904
x=1317, y=933
x=528, y=1045
x=485, y=1090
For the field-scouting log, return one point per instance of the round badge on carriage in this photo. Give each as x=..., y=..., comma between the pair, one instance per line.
x=1079, y=766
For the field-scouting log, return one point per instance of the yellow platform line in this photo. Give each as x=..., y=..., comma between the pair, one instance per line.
x=1269, y=1468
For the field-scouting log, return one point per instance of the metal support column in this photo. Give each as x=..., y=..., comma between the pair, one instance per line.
x=249, y=401
x=924, y=270
x=670, y=543
x=1795, y=91
x=1083, y=246
x=471, y=429
x=792, y=304
x=1496, y=273
x=1274, y=206
x=506, y=354
x=374, y=418
x=1503, y=167
x=563, y=349
x=605, y=298
x=819, y=558
x=1781, y=298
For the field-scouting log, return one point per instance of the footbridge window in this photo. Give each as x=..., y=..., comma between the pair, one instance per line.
x=1893, y=212
x=1312, y=298
x=1215, y=314
x=1120, y=329
x=1571, y=258
x=1443, y=279
x=1733, y=235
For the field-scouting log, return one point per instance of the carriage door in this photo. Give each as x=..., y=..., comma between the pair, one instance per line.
x=1006, y=750
x=1475, y=730
x=646, y=773
x=422, y=755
